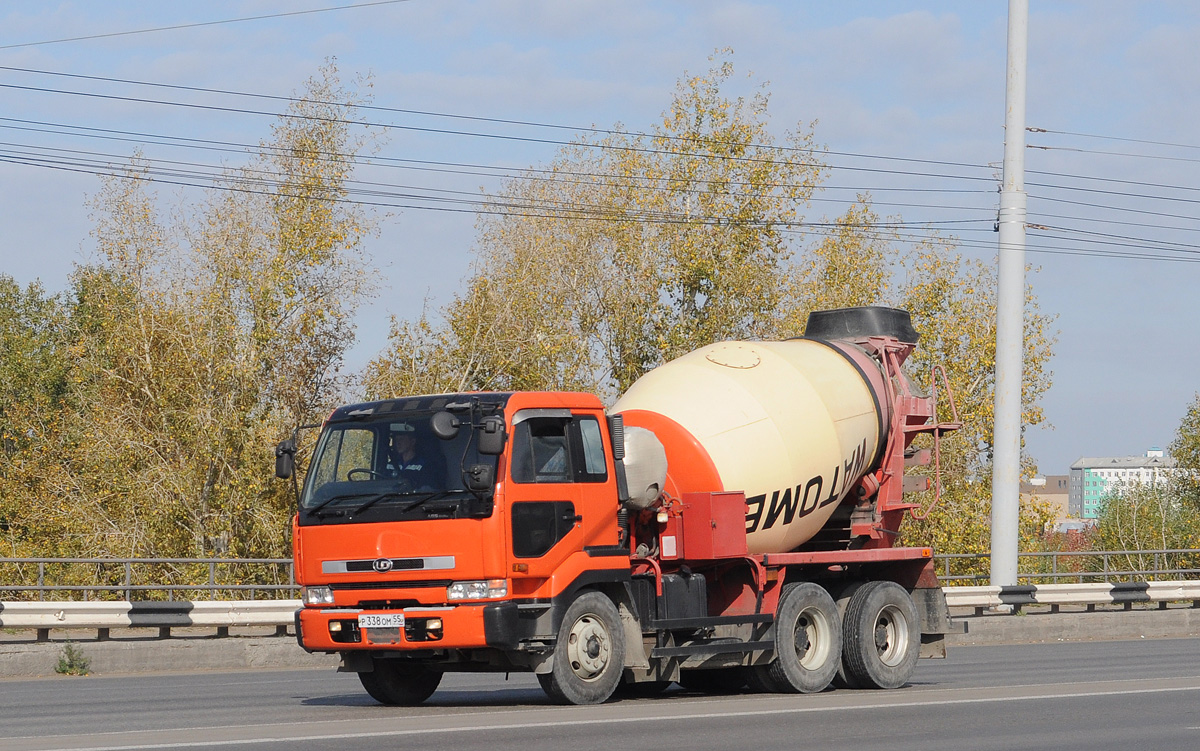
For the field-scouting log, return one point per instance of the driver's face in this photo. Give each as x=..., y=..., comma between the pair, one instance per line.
x=403, y=443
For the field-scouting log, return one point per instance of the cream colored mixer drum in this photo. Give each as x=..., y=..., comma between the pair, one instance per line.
x=793, y=424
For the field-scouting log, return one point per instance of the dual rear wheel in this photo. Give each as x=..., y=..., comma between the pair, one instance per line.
x=869, y=638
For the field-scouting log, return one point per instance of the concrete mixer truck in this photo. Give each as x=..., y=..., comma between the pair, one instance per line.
x=730, y=522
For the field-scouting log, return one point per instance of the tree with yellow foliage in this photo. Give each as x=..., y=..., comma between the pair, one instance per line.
x=639, y=248
x=195, y=344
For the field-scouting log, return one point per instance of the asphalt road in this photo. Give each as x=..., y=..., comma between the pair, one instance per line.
x=1139, y=695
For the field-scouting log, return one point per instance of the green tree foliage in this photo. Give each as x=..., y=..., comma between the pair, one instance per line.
x=627, y=251
x=630, y=250
x=33, y=396
x=1143, y=516
x=1185, y=450
x=196, y=341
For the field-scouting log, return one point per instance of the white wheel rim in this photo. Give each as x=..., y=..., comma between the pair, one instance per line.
x=891, y=635
x=812, y=626
x=588, y=647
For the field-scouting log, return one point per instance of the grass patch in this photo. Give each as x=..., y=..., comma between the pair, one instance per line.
x=72, y=661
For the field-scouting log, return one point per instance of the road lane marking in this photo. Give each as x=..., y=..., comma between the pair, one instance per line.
x=499, y=727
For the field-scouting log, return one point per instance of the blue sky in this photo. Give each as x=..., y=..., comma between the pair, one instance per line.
x=919, y=80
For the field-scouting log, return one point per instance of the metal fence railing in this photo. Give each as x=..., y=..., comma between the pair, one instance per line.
x=137, y=579
x=1076, y=566
x=169, y=579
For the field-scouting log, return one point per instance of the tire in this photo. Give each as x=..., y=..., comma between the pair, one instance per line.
x=400, y=684
x=882, y=636
x=842, y=679
x=589, y=655
x=808, y=643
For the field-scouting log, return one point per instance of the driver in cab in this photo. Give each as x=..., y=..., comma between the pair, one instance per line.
x=405, y=459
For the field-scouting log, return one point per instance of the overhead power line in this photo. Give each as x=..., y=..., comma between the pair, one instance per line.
x=426, y=165
x=390, y=194
x=509, y=206
x=584, y=129
x=532, y=211
x=1114, y=138
x=200, y=24
x=214, y=177
x=484, y=119
x=1160, y=157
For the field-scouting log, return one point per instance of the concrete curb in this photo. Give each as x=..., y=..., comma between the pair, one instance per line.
x=1111, y=625
x=20, y=656
x=149, y=655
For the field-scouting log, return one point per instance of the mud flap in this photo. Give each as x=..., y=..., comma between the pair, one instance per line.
x=935, y=620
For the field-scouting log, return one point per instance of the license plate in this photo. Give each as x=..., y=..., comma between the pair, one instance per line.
x=381, y=620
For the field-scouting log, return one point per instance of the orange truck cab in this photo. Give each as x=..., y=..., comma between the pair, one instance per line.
x=461, y=553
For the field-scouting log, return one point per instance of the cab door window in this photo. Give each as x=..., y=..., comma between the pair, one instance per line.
x=558, y=450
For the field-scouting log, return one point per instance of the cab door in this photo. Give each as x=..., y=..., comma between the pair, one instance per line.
x=556, y=468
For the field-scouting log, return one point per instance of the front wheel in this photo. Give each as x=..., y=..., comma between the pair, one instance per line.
x=808, y=643
x=882, y=636
x=589, y=655
x=398, y=683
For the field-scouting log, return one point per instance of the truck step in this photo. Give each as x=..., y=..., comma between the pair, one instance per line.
x=712, y=649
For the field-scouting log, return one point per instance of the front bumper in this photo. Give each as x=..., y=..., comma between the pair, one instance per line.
x=461, y=627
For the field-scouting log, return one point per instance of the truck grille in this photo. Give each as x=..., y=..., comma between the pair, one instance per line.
x=416, y=584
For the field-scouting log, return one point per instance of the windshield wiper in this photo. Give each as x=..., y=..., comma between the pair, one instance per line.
x=377, y=498
x=331, y=499
x=409, y=507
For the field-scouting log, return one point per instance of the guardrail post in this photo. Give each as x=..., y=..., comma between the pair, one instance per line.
x=102, y=634
x=164, y=632
x=222, y=632
x=43, y=634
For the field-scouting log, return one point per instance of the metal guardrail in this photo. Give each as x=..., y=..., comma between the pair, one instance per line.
x=223, y=615
x=103, y=616
x=1076, y=566
x=1089, y=594
x=136, y=579
x=158, y=579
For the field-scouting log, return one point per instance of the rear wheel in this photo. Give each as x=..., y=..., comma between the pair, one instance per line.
x=589, y=655
x=882, y=636
x=398, y=683
x=808, y=643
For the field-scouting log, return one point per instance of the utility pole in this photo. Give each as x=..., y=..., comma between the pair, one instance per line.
x=1010, y=307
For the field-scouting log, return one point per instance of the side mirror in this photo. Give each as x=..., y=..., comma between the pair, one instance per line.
x=285, y=459
x=479, y=478
x=445, y=425
x=491, y=436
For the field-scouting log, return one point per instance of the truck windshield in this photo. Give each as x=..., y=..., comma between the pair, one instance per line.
x=392, y=468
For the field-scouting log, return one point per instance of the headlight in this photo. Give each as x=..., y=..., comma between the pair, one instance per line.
x=477, y=590
x=316, y=595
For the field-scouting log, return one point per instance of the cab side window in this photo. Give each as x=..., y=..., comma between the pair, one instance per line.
x=558, y=449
